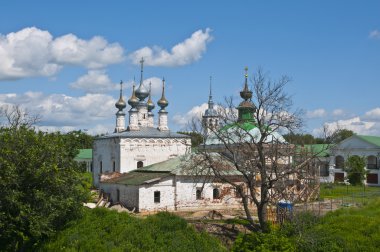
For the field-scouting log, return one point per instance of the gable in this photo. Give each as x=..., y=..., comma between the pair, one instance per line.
x=358, y=142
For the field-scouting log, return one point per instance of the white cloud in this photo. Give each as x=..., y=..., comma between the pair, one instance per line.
x=34, y=52
x=94, y=53
x=338, y=112
x=355, y=124
x=95, y=81
x=375, y=34
x=59, y=110
x=196, y=112
x=372, y=115
x=183, y=53
x=156, y=85
x=316, y=113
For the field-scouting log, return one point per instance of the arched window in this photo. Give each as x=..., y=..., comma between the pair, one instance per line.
x=215, y=193
x=140, y=164
x=371, y=162
x=199, y=194
x=339, y=162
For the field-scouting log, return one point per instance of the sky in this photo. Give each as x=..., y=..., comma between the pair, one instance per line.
x=63, y=60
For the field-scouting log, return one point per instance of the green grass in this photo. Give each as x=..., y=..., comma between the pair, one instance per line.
x=336, y=191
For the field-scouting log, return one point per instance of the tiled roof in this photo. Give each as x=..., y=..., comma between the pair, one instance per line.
x=146, y=132
x=375, y=140
x=84, y=154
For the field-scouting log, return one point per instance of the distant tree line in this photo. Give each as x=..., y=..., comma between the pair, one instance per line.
x=301, y=139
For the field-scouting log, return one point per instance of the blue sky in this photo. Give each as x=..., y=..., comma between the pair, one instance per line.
x=63, y=59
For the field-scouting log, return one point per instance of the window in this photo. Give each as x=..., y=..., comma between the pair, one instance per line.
x=371, y=162
x=92, y=168
x=140, y=164
x=113, y=166
x=199, y=194
x=101, y=167
x=117, y=195
x=157, y=195
x=215, y=193
x=339, y=162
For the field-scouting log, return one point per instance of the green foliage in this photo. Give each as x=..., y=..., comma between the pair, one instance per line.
x=342, y=134
x=356, y=170
x=196, y=138
x=257, y=241
x=79, y=140
x=105, y=230
x=300, y=138
x=41, y=186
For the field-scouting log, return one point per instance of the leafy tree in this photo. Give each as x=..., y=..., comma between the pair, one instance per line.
x=79, y=139
x=300, y=138
x=356, y=170
x=41, y=186
x=196, y=138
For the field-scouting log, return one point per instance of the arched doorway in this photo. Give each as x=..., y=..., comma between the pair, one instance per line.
x=140, y=164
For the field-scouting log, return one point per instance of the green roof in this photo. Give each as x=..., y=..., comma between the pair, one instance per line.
x=84, y=154
x=375, y=140
x=246, y=125
x=322, y=150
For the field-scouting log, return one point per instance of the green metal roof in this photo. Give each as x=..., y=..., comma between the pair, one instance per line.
x=322, y=150
x=375, y=140
x=84, y=154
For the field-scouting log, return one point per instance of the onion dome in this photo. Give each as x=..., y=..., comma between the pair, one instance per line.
x=246, y=94
x=133, y=101
x=141, y=91
x=150, y=102
x=246, y=107
x=163, y=103
x=120, y=104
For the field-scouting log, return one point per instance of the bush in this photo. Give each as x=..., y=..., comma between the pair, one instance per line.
x=106, y=230
x=257, y=241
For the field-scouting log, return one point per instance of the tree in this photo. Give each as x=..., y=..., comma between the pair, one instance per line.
x=264, y=168
x=41, y=185
x=356, y=170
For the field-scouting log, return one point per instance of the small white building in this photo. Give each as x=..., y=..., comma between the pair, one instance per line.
x=363, y=146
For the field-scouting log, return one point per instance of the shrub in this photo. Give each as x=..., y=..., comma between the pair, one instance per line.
x=257, y=241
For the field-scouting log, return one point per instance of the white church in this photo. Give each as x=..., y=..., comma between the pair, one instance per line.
x=141, y=166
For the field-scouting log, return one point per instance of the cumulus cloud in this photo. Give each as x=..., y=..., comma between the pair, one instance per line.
x=34, y=52
x=372, y=115
x=181, y=54
x=375, y=34
x=196, y=112
x=59, y=110
x=316, y=113
x=95, y=81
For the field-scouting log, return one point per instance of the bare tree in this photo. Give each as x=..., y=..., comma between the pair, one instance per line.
x=16, y=117
x=262, y=167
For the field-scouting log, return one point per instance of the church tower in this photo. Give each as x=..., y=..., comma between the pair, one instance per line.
x=133, y=112
x=141, y=94
x=210, y=119
x=246, y=108
x=120, y=115
x=162, y=113
x=151, y=106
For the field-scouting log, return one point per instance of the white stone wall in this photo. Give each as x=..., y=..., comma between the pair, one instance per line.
x=146, y=199
x=150, y=151
x=186, y=195
x=106, y=151
x=128, y=195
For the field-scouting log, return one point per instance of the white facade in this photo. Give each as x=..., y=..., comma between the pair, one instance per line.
x=175, y=193
x=355, y=145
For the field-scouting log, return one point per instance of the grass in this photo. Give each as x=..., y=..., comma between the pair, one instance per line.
x=336, y=191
